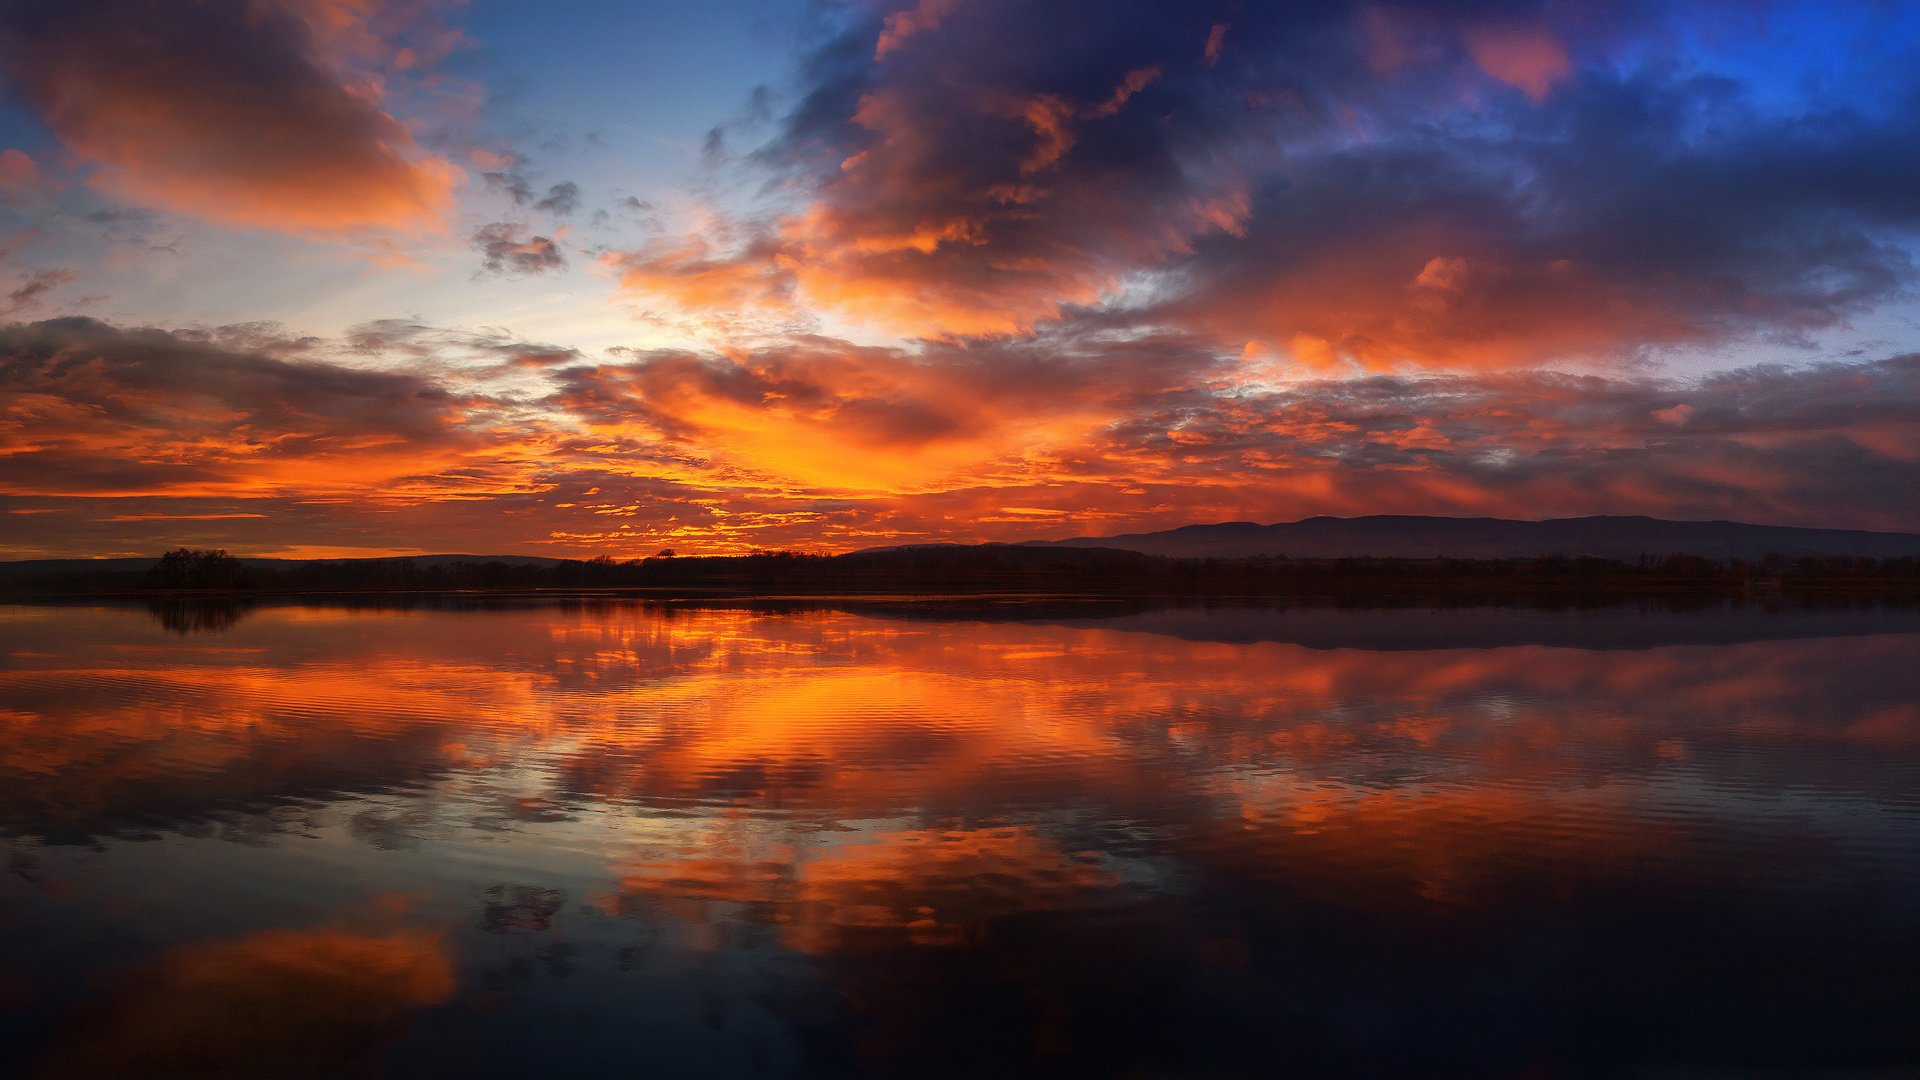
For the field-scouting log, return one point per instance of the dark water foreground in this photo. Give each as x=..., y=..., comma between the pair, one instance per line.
x=624, y=839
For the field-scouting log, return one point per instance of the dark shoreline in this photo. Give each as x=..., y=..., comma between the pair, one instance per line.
x=927, y=575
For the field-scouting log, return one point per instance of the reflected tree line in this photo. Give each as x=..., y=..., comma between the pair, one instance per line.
x=199, y=615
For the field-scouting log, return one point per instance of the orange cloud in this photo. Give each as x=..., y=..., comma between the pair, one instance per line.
x=19, y=173
x=158, y=413
x=820, y=443
x=920, y=19
x=236, y=111
x=823, y=414
x=1216, y=40
x=695, y=276
x=1135, y=81
x=954, y=206
x=1529, y=58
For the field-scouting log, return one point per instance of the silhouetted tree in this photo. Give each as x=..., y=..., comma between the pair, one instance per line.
x=187, y=568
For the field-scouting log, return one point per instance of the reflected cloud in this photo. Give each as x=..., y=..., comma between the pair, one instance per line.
x=835, y=716
x=922, y=887
x=1095, y=841
x=280, y=1003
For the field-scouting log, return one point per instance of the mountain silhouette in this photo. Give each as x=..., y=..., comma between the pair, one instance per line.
x=1393, y=536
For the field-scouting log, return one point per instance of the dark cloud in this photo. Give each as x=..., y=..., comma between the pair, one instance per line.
x=31, y=291
x=977, y=168
x=451, y=350
x=714, y=148
x=504, y=250
x=1596, y=223
x=122, y=373
x=561, y=199
x=512, y=183
x=1356, y=184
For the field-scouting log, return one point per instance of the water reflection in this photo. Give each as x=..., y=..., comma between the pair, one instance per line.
x=819, y=841
x=281, y=1003
x=199, y=616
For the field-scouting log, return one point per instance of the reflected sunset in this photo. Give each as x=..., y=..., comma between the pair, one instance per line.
x=860, y=818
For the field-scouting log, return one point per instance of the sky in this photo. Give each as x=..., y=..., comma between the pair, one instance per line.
x=368, y=277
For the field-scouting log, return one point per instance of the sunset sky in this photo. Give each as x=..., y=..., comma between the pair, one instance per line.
x=362, y=277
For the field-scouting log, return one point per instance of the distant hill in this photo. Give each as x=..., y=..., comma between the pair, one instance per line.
x=1412, y=537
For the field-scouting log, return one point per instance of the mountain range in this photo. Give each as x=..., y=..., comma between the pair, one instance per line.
x=1416, y=537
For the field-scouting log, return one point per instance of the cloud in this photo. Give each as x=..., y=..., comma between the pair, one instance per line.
x=1528, y=57
x=327, y=998
x=433, y=351
x=561, y=199
x=1360, y=186
x=817, y=412
x=128, y=225
x=1160, y=431
x=1216, y=41
x=31, y=291
x=512, y=183
x=694, y=275
x=490, y=441
x=504, y=251
x=1817, y=445
x=98, y=410
x=19, y=175
x=995, y=167
x=243, y=112
x=1628, y=231
x=903, y=24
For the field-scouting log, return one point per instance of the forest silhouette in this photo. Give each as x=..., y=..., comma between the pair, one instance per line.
x=943, y=570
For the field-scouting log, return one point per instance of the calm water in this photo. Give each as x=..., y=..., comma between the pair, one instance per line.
x=641, y=840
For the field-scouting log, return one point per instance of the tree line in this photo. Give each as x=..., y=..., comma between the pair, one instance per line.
x=1008, y=568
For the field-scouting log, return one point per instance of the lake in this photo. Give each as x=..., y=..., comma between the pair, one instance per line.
x=996, y=839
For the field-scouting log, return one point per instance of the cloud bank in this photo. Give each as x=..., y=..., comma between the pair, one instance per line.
x=266, y=443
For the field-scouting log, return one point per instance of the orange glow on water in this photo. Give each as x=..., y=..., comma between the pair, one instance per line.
x=890, y=792
x=856, y=717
